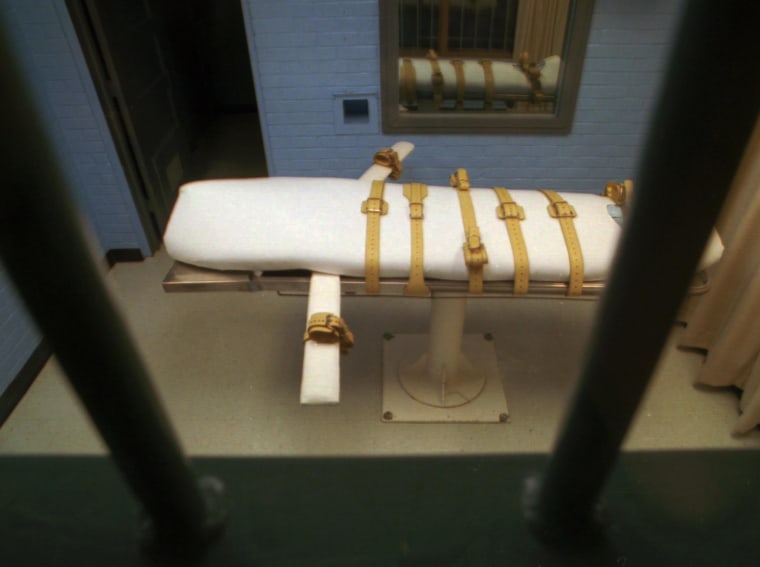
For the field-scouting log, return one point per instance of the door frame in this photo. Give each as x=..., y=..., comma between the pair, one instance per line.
x=102, y=73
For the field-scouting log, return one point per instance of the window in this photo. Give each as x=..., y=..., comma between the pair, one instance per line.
x=457, y=29
x=481, y=66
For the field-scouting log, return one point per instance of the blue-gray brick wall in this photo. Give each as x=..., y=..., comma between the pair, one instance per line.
x=304, y=53
x=57, y=75
x=18, y=335
x=45, y=44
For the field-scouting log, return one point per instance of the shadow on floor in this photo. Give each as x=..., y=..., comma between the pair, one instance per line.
x=661, y=508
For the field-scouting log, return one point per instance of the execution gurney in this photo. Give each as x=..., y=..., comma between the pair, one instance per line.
x=456, y=84
x=334, y=236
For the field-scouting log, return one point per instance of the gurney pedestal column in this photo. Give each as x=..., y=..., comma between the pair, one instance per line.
x=446, y=331
x=444, y=376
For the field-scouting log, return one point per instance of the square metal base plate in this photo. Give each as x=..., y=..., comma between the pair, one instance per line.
x=489, y=407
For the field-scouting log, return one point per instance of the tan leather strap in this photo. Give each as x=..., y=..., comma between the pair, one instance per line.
x=459, y=71
x=512, y=213
x=532, y=72
x=416, y=193
x=487, y=65
x=387, y=157
x=436, y=79
x=409, y=82
x=475, y=256
x=328, y=328
x=564, y=212
x=374, y=208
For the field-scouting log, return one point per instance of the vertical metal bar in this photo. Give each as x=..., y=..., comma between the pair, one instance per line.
x=462, y=16
x=431, y=28
x=694, y=146
x=491, y=25
x=417, y=24
x=508, y=28
x=443, y=27
x=47, y=257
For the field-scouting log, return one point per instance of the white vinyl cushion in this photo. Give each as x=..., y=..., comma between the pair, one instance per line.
x=313, y=223
x=283, y=223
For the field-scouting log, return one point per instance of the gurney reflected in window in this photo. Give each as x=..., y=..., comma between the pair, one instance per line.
x=471, y=66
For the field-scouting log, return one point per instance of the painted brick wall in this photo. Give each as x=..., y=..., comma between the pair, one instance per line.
x=306, y=52
x=54, y=66
x=18, y=335
x=44, y=41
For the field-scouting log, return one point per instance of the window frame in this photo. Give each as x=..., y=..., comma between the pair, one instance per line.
x=483, y=122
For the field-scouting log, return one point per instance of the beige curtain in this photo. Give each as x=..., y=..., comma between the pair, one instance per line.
x=541, y=27
x=540, y=31
x=726, y=320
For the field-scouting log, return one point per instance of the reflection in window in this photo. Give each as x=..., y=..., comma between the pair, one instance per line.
x=459, y=54
x=464, y=65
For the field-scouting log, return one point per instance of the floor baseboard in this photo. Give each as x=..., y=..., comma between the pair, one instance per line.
x=115, y=255
x=18, y=387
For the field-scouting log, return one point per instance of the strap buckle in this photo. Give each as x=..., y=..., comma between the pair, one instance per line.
x=375, y=205
x=415, y=211
x=436, y=77
x=561, y=210
x=459, y=180
x=617, y=192
x=328, y=328
x=510, y=210
x=388, y=157
x=416, y=193
x=475, y=255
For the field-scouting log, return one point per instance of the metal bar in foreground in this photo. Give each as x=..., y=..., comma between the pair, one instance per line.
x=45, y=252
x=694, y=146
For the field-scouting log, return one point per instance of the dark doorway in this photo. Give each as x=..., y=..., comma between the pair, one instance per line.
x=176, y=86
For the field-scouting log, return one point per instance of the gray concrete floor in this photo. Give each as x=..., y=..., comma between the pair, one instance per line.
x=227, y=367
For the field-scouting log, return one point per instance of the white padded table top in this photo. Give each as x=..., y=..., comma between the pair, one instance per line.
x=285, y=223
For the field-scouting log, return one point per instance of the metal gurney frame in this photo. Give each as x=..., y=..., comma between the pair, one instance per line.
x=186, y=278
